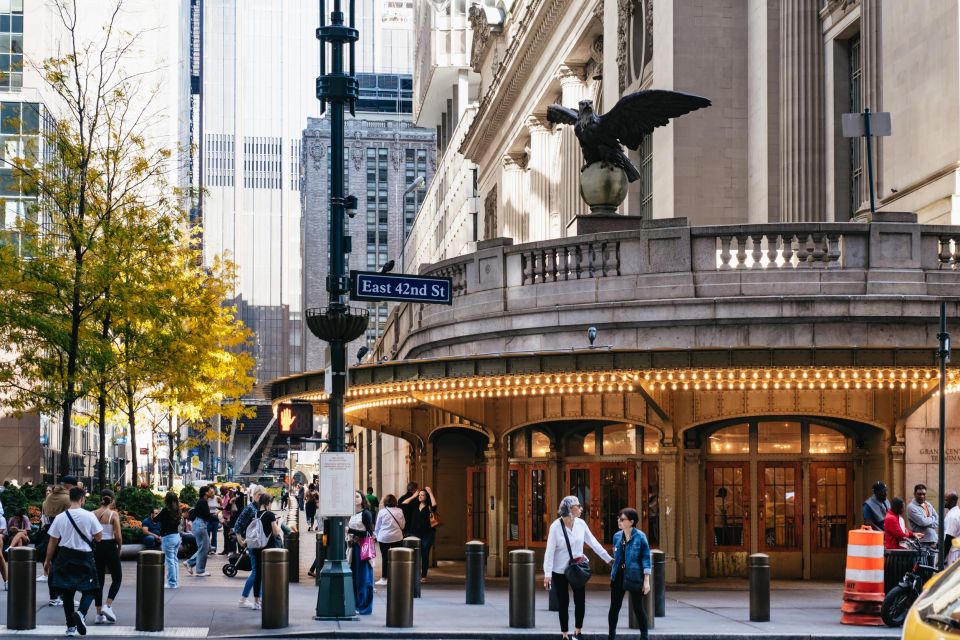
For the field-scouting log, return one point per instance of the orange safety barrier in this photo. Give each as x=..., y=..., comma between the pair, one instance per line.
x=863, y=584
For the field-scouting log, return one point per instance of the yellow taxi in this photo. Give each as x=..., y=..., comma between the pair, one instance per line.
x=936, y=613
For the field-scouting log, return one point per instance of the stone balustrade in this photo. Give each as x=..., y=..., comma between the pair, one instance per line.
x=663, y=274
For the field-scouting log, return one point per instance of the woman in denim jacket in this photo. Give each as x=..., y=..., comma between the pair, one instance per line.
x=630, y=572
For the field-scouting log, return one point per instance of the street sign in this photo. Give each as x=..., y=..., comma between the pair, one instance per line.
x=397, y=287
x=854, y=125
x=143, y=451
x=295, y=420
x=336, y=485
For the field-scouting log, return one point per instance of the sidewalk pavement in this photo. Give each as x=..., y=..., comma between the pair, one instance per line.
x=207, y=608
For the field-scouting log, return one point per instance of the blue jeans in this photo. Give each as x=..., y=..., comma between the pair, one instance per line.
x=252, y=578
x=199, y=559
x=171, y=545
x=213, y=528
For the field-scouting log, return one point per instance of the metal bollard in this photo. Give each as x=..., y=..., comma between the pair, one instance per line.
x=150, y=591
x=22, y=597
x=522, y=601
x=758, y=568
x=276, y=589
x=403, y=568
x=474, y=553
x=659, y=582
x=292, y=545
x=412, y=542
x=647, y=604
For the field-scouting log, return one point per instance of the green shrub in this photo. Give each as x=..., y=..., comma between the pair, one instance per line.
x=189, y=495
x=131, y=535
x=138, y=501
x=13, y=501
x=34, y=493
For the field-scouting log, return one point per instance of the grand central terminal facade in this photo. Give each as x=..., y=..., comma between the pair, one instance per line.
x=746, y=386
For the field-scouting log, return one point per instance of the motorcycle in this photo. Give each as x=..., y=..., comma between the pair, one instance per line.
x=898, y=601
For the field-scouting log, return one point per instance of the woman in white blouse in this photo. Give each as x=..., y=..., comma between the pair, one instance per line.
x=388, y=532
x=556, y=558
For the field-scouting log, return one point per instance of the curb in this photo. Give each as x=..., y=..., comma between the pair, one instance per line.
x=535, y=634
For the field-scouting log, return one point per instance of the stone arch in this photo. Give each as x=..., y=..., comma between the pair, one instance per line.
x=605, y=420
x=844, y=423
x=435, y=431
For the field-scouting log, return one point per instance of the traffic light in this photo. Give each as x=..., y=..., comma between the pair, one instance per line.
x=295, y=420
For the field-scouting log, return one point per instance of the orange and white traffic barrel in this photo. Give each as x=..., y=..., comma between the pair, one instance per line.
x=863, y=584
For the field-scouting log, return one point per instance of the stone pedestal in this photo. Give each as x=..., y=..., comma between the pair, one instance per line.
x=602, y=223
x=603, y=187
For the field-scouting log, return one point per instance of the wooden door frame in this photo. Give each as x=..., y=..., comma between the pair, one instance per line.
x=586, y=511
x=797, y=504
x=645, y=466
x=593, y=514
x=528, y=470
x=853, y=516
x=471, y=534
x=708, y=506
x=521, y=510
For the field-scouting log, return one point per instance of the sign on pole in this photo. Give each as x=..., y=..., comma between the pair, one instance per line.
x=372, y=286
x=336, y=485
x=295, y=420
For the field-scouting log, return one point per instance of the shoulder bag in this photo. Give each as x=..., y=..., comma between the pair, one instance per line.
x=74, y=570
x=577, y=572
x=435, y=520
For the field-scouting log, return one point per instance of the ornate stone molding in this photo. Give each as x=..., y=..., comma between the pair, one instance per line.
x=490, y=214
x=517, y=160
x=487, y=24
x=571, y=74
x=598, y=11
x=538, y=123
x=595, y=66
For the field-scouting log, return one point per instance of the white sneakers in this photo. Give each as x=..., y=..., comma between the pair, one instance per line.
x=100, y=619
x=189, y=568
x=245, y=603
x=72, y=632
x=381, y=582
x=108, y=613
x=56, y=602
x=205, y=574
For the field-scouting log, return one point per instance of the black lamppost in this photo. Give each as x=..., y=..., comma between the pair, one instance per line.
x=337, y=323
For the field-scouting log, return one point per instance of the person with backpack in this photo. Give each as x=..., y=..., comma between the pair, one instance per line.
x=240, y=526
x=70, y=562
x=262, y=533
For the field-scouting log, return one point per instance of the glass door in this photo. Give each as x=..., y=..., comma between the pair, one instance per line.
x=780, y=506
x=650, y=501
x=603, y=488
x=477, y=503
x=529, y=510
x=728, y=506
x=831, y=510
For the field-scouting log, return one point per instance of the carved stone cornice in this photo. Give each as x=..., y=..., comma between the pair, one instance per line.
x=598, y=11
x=596, y=57
x=515, y=161
x=535, y=28
x=487, y=25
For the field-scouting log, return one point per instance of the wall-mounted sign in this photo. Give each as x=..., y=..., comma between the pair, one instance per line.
x=372, y=286
x=295, y=420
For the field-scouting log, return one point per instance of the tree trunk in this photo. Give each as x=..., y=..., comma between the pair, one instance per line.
x=102, y=417
x=132, y=425
x=73, y=348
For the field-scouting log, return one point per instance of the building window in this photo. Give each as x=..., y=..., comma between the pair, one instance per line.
x=262, y=158
x=19, y=142
x=778, y=437
x=855, y=106
x=219, y=160
x=415, y=166
x=11, y=45
x=385, y=93
x=646, y=177
x=825, y=441
x=295, y=165
x=731, y=440
x=377, y=234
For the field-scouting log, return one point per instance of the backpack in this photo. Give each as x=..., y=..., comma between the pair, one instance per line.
x=243, y=520
x=255, y=536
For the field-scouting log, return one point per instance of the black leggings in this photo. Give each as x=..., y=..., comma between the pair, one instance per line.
x=107, y=556
x=385, y=556
x=86, y=597
x=616, y=601
x=560, y=584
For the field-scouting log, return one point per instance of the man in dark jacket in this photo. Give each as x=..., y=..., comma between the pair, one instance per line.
x=876, y=506
x=409, y=510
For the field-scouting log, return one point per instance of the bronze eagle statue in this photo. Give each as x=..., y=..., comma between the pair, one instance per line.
x=633, y=117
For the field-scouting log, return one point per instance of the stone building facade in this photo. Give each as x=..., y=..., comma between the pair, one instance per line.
x=766, y=348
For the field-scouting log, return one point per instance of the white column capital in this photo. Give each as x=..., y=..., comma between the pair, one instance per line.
x=571, y=74
x=537, y=123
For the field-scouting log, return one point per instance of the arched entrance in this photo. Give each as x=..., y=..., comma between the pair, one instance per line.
x=785, y=486
x=460, y=479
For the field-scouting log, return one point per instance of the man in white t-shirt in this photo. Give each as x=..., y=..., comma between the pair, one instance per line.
x=70, y=563
x=951, y=528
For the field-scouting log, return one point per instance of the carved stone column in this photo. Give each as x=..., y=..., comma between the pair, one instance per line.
x=802, y=195
x=496, y=489
x=541, y=166
x=512, y=201
x=568, y=202
x=670, y=516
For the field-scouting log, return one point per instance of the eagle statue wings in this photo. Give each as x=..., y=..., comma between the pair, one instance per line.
x=633, y=117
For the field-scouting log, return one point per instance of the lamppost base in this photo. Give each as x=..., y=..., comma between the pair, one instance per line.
x=335, y=599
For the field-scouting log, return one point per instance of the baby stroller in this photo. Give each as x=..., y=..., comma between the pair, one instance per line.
x=236, y=562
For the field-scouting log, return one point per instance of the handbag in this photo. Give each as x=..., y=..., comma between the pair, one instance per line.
x=577, y=572
x=435, y=520
x=368, y=548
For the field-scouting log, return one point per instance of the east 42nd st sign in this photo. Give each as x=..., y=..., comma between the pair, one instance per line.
x=374, y=287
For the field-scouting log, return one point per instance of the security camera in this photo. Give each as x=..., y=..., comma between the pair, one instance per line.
x=591, y=335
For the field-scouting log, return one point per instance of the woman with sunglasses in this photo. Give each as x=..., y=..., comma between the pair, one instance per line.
x=557, y=557
x=631, y=570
